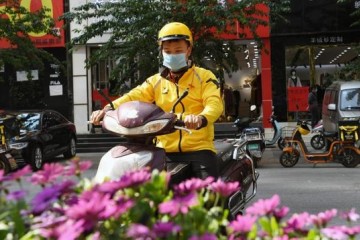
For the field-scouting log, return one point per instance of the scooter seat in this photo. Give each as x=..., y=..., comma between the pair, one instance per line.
x=330, y=134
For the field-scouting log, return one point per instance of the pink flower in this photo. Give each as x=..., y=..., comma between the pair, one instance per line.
x=135, y=178
x=50, y=172
x=165, y=229
x=65, y=230
x=178, y=204
x=322, y=219
x=264, y=207
x=225, y=189
x=193, y=184
x=335, y=233
x=139, y=231
x=350, y=216
x=242, y=224
x=96, y=207
x=76, y=167
x=297, y=223
x=20, y=173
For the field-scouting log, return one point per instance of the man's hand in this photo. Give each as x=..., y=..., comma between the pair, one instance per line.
x=97, y=116
x=194, y=121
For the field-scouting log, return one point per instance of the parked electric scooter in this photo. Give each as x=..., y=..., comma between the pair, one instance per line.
x=254, y=136
x=277, y=136
x=141, y=122
x=341, y=150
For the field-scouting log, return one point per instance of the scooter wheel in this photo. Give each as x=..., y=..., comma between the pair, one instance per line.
x=289, y=159
x=317, y=141
x=350, y=158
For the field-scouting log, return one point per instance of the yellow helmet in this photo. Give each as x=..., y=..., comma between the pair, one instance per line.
x=175, y=31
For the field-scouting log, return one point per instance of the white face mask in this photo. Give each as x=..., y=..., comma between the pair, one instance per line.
x=174, y=62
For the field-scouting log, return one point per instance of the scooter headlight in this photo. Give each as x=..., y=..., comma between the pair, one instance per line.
x=151, y=127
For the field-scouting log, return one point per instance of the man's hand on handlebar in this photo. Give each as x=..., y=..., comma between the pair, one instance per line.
x=98, y=115
x=195, y=121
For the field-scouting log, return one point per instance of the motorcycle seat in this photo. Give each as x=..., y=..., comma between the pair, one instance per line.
x=330, y=134
x=224, y=149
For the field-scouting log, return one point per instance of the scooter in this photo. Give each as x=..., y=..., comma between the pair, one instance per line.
x=341, y=150
x=141, y=122
x=277, y=136
x=254, y=136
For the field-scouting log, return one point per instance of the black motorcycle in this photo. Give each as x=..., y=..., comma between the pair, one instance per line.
x=253, y=136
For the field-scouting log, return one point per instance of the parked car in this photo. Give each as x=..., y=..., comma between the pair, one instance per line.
x=39, y=135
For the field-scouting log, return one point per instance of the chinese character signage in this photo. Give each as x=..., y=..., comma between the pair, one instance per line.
x=42, y=39
x=297, y=99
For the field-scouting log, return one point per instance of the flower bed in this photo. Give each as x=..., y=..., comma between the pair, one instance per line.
x=141, y=206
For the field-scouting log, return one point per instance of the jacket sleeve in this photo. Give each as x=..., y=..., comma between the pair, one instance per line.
x=143, y=92
x=213, y=105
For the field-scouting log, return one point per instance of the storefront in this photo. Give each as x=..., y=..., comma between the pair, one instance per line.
x=316, y=43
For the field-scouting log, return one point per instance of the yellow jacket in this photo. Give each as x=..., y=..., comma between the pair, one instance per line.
x=203, y=99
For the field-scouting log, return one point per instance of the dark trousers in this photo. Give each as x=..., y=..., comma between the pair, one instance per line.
x=199, y=164
x=314, y=111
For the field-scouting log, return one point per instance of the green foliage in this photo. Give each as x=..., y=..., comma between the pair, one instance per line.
x=134, y=25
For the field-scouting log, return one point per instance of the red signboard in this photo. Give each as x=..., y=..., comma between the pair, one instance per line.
x=297, y=99
x=43, y=40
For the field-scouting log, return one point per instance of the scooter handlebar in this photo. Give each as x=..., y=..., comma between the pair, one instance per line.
x=180, y=125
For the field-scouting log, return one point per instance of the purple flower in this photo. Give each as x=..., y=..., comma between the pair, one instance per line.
x=297, y=223
x=164, y=229
x=138, y=231
x=206, y=236
x=50, y=172
x=350, y=216
x=178, y=204
x=16, y=195
x=322, y=219
x=20, y=173
x=76, y=167
x=225, y=189
x=264, y=207
x=44, y=199
x=242, y=224
x=193, y=184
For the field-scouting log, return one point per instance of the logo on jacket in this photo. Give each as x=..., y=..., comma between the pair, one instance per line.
x=214, y=81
